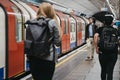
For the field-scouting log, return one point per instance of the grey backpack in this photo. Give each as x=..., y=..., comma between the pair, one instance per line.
x=39, y=46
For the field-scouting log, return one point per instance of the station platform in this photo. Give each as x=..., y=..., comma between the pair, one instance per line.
x=75, y=67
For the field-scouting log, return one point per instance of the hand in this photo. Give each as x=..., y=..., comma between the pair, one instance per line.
x=97, y=50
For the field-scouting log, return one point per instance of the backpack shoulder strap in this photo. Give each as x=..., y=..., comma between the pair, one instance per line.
x=46, y=28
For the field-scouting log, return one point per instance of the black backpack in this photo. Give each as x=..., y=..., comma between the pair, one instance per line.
x=108, y=39
x=42, y=38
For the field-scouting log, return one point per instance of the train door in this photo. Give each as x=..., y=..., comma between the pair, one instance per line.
x=66, y=34
x=16, y=39
x=79, y=32
x=15, y=63
x=26, y=10
x=83, y=30
x=64, y=23
x=72, y=33
x=2, y=43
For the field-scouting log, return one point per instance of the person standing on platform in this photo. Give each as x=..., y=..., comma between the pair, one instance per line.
x=119, y=39
x=106, y=44
x=42, y=68
x=90, y=30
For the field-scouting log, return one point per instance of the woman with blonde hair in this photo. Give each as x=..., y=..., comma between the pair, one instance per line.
x=43, y=68
x=46, y=10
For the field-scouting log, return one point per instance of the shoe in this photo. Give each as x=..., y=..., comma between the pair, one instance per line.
x=88, y=59
x=92, y=58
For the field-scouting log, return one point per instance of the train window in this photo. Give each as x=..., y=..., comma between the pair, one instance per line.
x=72, y=27
x=66, y=26
x=18, y=24
x=83, y=26
x=79, y=26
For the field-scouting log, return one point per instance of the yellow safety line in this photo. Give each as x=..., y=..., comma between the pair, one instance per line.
x=68, y=58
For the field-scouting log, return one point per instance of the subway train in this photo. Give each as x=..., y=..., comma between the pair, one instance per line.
x=13, y=15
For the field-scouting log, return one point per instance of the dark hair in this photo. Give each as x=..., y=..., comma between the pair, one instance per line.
x=94, y=20
x=108, y=20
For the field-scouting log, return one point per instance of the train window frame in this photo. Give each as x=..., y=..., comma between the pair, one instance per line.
x=65, y=26
x=72, y=27
x=18, y=24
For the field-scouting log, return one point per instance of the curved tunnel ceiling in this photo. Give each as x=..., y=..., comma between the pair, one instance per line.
x=89, y=7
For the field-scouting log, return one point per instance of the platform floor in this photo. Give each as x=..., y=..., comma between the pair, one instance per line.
x=75, y=67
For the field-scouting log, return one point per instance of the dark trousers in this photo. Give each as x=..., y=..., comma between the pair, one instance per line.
x=107, y=62
x=41, y=69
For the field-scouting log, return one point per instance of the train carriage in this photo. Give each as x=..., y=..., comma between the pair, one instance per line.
x=83, y=22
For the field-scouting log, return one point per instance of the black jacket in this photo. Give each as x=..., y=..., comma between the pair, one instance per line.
x=94, y=27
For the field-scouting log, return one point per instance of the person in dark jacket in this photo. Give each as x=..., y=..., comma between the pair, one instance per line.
x=42, y=68
x=90, y=31
x=107, y=58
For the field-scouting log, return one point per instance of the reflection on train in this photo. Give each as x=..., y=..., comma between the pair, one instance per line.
x=13, y=14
